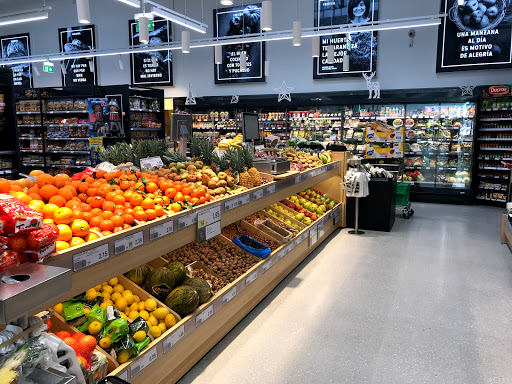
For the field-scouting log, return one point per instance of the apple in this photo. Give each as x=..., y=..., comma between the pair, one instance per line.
x=302, y=210
x=307, y=221
x=314, y=217
x=308, y=214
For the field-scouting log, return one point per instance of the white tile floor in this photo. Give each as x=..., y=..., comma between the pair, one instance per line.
x=430, y=302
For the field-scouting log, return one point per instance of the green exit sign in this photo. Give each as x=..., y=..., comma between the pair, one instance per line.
x=150, y=23
x=48, y=68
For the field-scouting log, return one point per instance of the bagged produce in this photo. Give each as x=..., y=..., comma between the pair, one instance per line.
x=252, y=246
x=42, y=237
x=98, y=370
x=21, y=362
x=16, y=216
x=9, y=259
x=41, y=254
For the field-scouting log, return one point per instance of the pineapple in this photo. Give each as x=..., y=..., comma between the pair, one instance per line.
x=249, y=163
x=195, y=148
x=175, y=157
x=206, y=149
x=237, y=164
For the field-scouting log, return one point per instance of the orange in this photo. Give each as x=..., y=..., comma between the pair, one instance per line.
x=66, y=177
x=118, y=229
x=151, y=187
x=48, y=221
x=100, y=173
x=73, y=204
x=150, y=214
x=5, y=186
x=97, y=202
x=48, y=191
x=159, y=210
x=65, y=233
x=106, y=233
x=83, y=187
x=148, y=204
x=36, y=205
x=88, y=216
x=16, y=188
x=117, y=220
x=140, y=215
x=175, y=207
x=119, y=212
x=66, y=193
x=87, y=344
x=110, y=196
x=92, y=191
x=59, y=181
x=119, y=200
x=57, y=200
x=49, y=210
x=63, y=215
x=22, y=196
x=91, y=236
x=171, y=192
x=138, y=208
x=136, y=199
x=17, y=243
x=108, y=206
x=29, y=183
x=80, y=227
x=106, y=225
x=89, y=180
x=35, y=173
x=78, y=214
x=83, y=197
x=35, y=196
x=76, y=241
x=44, y=179
x=33, y=190
x=128, y=219
x=187, y=191
x=61, y=245
x=127, y=226
x=95, y=221
x=96, y=211
x=106, y=215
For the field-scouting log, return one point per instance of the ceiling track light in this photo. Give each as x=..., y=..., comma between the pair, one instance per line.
x=25, y=16
x=316, y=46
x=243, y=61
x=133, y=3
x=226, y=2
x=297, y=34
x=143, y=30
x=83, y=11
x=218, y=54
x=185, y=41
x=330, y=54
x=266, y=15
x=178, y=18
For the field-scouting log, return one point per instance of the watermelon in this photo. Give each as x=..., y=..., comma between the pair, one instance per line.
x=183, y=300
x=202, y=287
x=179, y=271
x=138, y=275
x=159, y=283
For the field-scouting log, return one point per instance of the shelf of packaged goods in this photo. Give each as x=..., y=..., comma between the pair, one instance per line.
x=29, y=125
x=68, y=138
x=438, y=117
x=495, y=139
x=63, y=112
x=144, y=110
x=67, y=166
x=373, y=117
x=337, y=118
x=147, y=129
x=67, y=152
x=493, y=200
x=495, y=149
x=494, y=177
x=495, y=159
x=30, y=138
x=32, y=165
x=28, y=112
x=497, y=119
x=494, y=189
x=7, y=171
x=506, y=231
x=433, y=140
x=437, y=153
x=7, y=152
x=495, y=129
x=31, y=150
x=495, y=168
x=65, y=125
x=272, y=120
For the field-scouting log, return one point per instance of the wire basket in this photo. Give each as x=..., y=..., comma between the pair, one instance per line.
x=454, y=16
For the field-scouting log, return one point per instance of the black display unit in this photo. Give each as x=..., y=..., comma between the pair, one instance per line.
x=9, y=162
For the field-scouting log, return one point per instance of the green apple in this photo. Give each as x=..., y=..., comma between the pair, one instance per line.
x=307, y=221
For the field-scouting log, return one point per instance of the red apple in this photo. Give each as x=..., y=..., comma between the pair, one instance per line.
x=307, y=213
x=314, y=217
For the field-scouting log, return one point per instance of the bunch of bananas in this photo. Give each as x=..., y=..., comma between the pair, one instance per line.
x=236, y=142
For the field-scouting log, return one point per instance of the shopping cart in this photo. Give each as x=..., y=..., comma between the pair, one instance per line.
x=402, y=199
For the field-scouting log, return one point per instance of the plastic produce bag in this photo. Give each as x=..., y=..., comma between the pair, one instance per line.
x=116, y=329
x=252, y=246
x=16, y=216
x=22, y=361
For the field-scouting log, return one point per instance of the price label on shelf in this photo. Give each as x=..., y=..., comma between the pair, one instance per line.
x=143, y=362
x=459, y=185
x=256, y=195
x=90, y=257
x=271, y=189
x=203, y=316
x=173, y=339
x=161, y=230
x=229, y=296
x=267, y=265
x=231, y=204
x=244, y=199
x=250, y=279
x=127, y=243
x=187, y=221
x=297, y=179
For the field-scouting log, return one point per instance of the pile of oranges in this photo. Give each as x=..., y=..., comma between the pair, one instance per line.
x=103, y=203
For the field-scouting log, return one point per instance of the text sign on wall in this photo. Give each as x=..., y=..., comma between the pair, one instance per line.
x=14, y=46
x=78, y=71
x=474, y=35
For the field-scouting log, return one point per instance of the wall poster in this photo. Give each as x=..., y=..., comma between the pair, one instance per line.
x=475, y=35
x=18, y=46
x=363, y=47
x=73, y=40
x=143, y=70
x=233, y=21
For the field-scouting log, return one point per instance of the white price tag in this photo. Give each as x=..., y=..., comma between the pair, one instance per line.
x=151, y=162
x=127, y=243
x=267, y=265
x=161, y=230
x=297, y=179
x=231, y=204
x=203, y=316
x=459, y=185
x=123, y=376
x=208, y=216
x=229, y=296
x=187, y=221
x=244, y=199
x=271, y=189
x=256, y=195
x=313, y=236
x=172, y=340
x=250, y=279
x=143, y=362
x=92, y=256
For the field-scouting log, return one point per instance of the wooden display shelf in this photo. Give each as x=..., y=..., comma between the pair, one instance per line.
x=506, y=231
x=111, y=264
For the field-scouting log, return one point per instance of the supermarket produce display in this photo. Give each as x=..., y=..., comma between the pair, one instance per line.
x=116, y=220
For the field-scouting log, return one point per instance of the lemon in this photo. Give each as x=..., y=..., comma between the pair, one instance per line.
x=144, y=314
x=91, y=294
x=103, y=284
x=115, y=296
x=126, y=292
x=118, y=288
x=134, y=307
x=106, y=295
x=133, y=315
x=136, y=299
x=152, y=321
x=95, y=327
x=87, y=311
x=162, y=327
x=121, y=304
x=113, y=281
x=142, y=307
x=103, y=306
x=139, y=336
x=98, y=288
x=170, y=320
x=155, y=331
x=129, y=298
x=124, y=316
x=107, y=288
x=124, y=355
x=160, y=313
x=59, y=309
x=150, y=305
x=109, y=302
x=105, y=343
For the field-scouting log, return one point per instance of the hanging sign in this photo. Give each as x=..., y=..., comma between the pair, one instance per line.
x=152, y=67
x=18, y=46
x=78, y=71
x=360, y=46
x=474, y=35
x=237, y=21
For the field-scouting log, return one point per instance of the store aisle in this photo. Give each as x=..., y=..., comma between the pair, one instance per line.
x=430, y=302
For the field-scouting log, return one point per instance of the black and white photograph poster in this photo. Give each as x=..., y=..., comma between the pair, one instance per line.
x=14, y=46
x=361, y=46
x=78, y=71
x=476, y=34
x=152, y=67
x=237, y=21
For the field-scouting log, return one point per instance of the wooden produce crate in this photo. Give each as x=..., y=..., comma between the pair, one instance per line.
x=271, y=235
x=288, y=214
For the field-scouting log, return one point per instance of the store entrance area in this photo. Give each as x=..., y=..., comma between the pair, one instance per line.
x=429, y=302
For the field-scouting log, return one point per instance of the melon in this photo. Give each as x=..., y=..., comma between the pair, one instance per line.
x=183, y=300
x=160, y=282
x=138, y=275
x=202, y=287
x=179, y=271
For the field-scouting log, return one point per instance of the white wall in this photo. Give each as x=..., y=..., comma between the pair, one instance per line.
x=398, y=65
